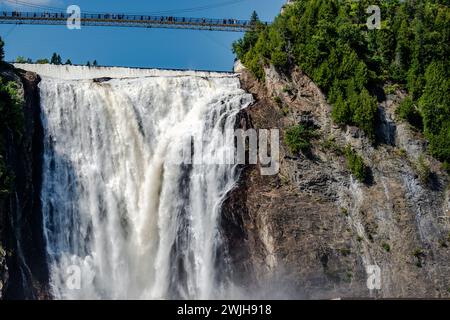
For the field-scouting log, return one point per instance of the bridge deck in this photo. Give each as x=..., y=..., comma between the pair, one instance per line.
x=123, y=20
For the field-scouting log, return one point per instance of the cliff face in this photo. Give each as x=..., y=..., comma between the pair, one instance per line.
x=23, y=271
x=308, y=232
x=313, y=229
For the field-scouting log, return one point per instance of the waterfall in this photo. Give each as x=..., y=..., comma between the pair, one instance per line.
x=118, y=212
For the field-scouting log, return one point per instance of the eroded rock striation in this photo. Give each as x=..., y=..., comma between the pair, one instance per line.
x=312, y=230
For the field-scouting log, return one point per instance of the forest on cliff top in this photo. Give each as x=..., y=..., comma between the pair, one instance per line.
x=356, y=66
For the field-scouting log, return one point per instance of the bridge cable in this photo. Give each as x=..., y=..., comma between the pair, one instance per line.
x=11, y=30
x=213, y=39
x=162, y=12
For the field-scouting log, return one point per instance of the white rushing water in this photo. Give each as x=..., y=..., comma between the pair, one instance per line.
x=116, y=211
x=68, y=72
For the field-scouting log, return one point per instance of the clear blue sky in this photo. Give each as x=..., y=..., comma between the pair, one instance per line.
x=160, y=48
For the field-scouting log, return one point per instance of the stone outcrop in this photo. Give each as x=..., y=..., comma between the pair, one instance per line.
x=308, y=232
x=23, y=270
x=312, y=230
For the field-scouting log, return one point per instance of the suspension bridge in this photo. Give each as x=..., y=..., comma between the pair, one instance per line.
x=126, y=20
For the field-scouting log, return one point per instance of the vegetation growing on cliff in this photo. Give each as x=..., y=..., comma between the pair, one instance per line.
x=11, y=123
x=355, y=164
x=298, y=138
x=330, y=42
x=423, y=169
x=408, y=110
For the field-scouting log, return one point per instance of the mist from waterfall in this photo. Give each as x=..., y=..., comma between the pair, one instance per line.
x=116, y=208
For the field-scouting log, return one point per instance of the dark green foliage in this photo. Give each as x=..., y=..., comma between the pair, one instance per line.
x=408, y=110
x=358, y=109
x=419, y=254
x=5, y=181
x=248, y=48
x=330, y=145
x=345, y=252
x=423, y=169
x=21, y=59
x=279, y=59
x=42, y=61
x=386, y=246
x=355, y=164
x=328, y=45
x=242, y=46
x=329, y=41
x=298, y=138
x=434, y=105
x=11, y=122
x=56, y=59
x=278, y=101
x=364, y=113
x=341, y=111
x=11, y=115
x=446, y=166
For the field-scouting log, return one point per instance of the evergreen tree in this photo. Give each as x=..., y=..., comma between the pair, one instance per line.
x=254, y=18
x=21, y=59
x=328, y=40
x=250, y=38
x=56, y=59
x=42, y=61
x=435, y=108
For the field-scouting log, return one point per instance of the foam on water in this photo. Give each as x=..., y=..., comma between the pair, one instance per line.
x=116, y=211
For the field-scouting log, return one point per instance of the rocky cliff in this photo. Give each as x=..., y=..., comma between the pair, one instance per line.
x=312, y=230
x=23, y=271
x=308, y=232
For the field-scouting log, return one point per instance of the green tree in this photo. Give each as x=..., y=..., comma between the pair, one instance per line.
x=42, y=61
x=56, y=59
x=11, y=121
x=409, y=111
x=402, y=52
x=328, y=40
x=341, y=113
x=355, y=164
x=242, y=46
x=254, y=18
x=21, y=59
x=298, y=138
x=435, y=108
x=364, y=115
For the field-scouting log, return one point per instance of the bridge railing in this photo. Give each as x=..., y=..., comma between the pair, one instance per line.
x=135, y=19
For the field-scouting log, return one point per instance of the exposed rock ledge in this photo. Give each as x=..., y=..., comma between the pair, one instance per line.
x=311, y=230
x=26, y=274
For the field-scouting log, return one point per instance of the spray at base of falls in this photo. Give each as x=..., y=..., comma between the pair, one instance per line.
x=117, y=213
